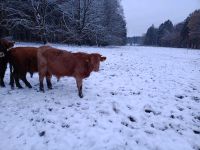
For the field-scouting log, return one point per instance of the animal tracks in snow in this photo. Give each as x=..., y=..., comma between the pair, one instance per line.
x=142, y=98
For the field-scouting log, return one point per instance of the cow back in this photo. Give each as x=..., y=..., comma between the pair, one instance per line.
x=63, y=63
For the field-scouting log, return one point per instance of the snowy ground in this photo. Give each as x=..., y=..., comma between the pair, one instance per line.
x=143, y=98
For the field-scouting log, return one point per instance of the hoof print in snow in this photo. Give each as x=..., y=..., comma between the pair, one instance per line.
x=196, y=132
x=50, y=109
x=113, y=93
x=112, y=75
x=148, y=132
x=152, y=125
x=42, y=133
x=36, y=111
x=110, y=121
x=196, y=99
x=124, y=123
x=115, y=110
x=172, y=116
x=65, y=126
x=180, y=109
x=148, y=109
x=71, y=105
x=98, y=95
x=127, y=125
x=197, y=118
x=179, y=96
x=102, y=112
x=58, y=103
x=163, y=128
x=131, y=119
x=137, y=141
x=136, y=93
x=180, y=117
x=129, y=107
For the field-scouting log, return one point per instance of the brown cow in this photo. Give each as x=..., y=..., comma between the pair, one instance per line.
x=23, y=60
x=4, y=46
x=61, y=63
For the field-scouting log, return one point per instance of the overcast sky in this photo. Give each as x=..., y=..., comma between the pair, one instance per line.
x=140, y=14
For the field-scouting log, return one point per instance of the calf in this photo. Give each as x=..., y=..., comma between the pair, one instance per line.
x=4, y=46
x=61, y=63
x=23, y=60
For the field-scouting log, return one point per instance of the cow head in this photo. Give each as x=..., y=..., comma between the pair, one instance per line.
x=5, y=45
x=95, y=60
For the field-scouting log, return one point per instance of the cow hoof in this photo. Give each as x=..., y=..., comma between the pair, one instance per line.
x=42, y=90
x=81, y=95
x=19, y=86
x=50, y=88
x=30, y=87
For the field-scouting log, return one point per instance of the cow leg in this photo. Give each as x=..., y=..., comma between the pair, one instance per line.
x=41, y=78
x=12, y=81
x=11, y=77
x=1, y=79
x=18, y=84
x=16, y=77
x=2, y=84
x=79, y=86
x=2, y=74
x=48, y=80
x=49, y=85
x=26, y=82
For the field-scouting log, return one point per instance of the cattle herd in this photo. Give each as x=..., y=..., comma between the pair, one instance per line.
x=48, y=62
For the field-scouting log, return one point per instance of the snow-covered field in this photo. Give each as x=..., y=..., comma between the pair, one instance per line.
x=143, y=98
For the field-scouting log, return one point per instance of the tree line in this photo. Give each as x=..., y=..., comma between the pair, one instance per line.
x=82, y=22
x=184, y=35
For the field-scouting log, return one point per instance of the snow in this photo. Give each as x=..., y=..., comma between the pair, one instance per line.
x=143, y=98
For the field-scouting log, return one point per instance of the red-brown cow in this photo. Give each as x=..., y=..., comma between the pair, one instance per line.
x=23, y=60
x=61, y=63
x=4, y=46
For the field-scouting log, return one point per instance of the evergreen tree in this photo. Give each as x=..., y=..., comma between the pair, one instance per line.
x=151, y=36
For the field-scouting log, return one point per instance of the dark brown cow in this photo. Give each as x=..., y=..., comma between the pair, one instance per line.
x=4, y=46
x=61, y=63
x=23, y=60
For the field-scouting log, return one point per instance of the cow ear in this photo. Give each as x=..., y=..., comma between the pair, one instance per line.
x=103, y=58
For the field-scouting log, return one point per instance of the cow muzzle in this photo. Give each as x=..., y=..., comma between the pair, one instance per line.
x=2, y=54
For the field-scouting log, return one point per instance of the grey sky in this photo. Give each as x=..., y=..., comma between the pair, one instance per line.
x=140, y=14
